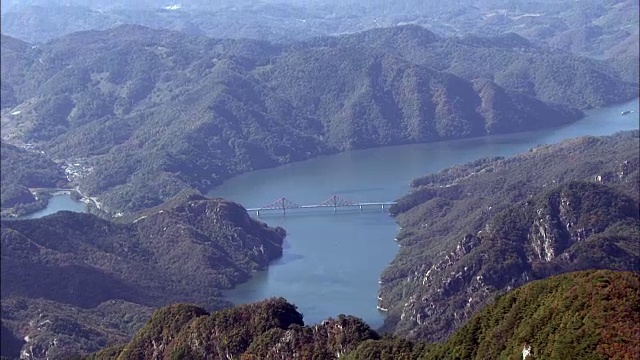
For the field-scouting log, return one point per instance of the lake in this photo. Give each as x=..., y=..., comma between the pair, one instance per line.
x=331, y=262
x=58, y=202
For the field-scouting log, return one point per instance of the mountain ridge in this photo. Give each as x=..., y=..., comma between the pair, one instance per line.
x=74, y=269
x=590, y=28
x=476, y=230
x=595, y=312
x=254, y=105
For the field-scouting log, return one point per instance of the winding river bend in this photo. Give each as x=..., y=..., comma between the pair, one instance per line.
x=331, y=262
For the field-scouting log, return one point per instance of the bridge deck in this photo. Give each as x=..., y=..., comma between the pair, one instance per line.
x=317, y=206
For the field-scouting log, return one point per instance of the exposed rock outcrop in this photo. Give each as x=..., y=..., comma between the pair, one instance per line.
x=477, y=230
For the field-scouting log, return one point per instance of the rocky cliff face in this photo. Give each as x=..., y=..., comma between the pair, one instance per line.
x=574, y=227
x=478, y=230
x=77, y=269
x=270, y=329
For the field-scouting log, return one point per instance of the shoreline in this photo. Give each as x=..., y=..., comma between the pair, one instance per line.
x=98, y=209
x=585, y=114
x=42, y=197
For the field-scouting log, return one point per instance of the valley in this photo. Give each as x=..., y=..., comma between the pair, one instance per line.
x=270, y=104
x=345, y=180
x=322, y=277
x=310, y=255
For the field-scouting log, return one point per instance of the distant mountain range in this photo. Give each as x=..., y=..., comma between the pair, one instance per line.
x=589, y=27
x=155, y=112
x=477, y=230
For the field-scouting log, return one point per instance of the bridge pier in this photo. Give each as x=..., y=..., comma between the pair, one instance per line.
x=258, y=213
x=382, y=207
x=360, y=208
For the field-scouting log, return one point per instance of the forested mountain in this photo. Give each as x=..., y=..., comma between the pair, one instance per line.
x=268, y=329
x=510, y=60
x=592, y=313
x=23, y=169
x=155, y=112
x=473, y=231
x=581, y=315
x=86, y=282
x=469, y=233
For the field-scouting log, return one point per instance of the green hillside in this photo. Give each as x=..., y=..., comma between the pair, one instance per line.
x=510, y=60
x=21, y=170
x=581, y=315
x=86, y=282
x=589, y=314
x=586, y=315
x=154, y=112
x=476, y=230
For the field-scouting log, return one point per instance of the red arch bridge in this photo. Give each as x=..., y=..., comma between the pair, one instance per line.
x=283, y=205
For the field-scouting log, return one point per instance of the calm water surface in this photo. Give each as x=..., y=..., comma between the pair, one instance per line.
x=331, y=262
x=58, y=203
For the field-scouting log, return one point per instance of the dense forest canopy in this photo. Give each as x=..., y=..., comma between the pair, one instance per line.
x=155, y=112
x=88, y=281
x=591, y=313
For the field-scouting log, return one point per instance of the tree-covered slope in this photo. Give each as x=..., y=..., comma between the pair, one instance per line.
x=187, y=250
x=157, y=111
x=583, y=315
x=510, y=60
x=588, y=314
x=270, y=329
x=21, y=170
x=41, y=328
x=473, y=231
x=580, y=315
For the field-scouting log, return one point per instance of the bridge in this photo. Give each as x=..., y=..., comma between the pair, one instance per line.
x=283, y=205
